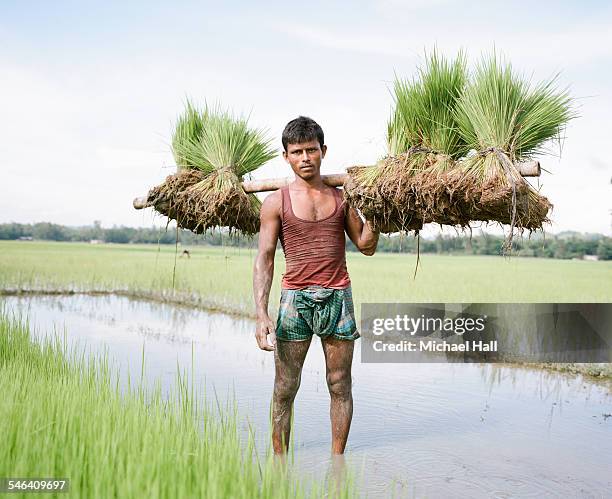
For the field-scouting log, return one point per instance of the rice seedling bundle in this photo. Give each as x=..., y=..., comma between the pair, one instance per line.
x=421, y=136
x=213, y=151
x=454, y=141
x=504, y=119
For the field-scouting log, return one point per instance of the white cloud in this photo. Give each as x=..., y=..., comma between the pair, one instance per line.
x=552, y=48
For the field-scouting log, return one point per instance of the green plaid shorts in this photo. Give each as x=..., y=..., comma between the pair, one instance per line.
x=316, y=310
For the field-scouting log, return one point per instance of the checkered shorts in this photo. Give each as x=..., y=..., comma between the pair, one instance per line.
x=316, y=310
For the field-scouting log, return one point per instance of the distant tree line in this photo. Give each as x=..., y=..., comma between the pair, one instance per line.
x=565, y=245
x=46, y=231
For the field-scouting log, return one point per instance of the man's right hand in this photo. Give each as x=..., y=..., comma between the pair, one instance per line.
x=265, y=328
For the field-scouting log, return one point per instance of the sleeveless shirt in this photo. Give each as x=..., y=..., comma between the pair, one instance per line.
x=315, y=251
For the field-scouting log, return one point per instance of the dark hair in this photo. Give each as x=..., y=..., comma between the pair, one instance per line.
x=302, y=129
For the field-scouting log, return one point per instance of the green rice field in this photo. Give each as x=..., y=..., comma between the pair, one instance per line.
x=220, y=278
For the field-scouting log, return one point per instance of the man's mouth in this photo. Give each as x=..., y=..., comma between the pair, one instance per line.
x=305, y=167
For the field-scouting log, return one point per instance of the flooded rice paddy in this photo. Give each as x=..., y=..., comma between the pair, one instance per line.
x=419, y=430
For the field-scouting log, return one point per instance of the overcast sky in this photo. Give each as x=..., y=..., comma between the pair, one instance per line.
x=90, y=90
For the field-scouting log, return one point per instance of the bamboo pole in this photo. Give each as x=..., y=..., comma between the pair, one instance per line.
x=528, y=169
x=273, y=184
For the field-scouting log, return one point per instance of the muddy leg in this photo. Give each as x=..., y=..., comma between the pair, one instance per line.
x=288, y=360
x=338, y=360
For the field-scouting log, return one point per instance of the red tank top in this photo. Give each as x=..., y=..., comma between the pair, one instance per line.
x=315, y=251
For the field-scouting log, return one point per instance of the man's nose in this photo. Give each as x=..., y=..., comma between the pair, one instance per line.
x=305, y=156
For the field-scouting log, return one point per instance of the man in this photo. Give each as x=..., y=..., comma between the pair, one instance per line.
x=310, y=218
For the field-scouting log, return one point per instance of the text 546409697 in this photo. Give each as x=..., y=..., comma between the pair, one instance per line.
x=34, y=485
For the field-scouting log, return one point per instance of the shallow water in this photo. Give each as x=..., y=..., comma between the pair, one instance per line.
x=419, y=430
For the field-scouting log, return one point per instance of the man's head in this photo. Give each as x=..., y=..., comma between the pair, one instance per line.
x=302, y=129
x=304, y=147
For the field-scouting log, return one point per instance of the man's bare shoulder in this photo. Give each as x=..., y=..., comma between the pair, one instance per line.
x=271, y=206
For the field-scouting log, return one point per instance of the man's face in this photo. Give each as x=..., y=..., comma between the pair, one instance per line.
x=305, y=158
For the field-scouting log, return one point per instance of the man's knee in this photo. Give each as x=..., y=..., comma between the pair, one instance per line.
x=339, y=383
x=285, y=388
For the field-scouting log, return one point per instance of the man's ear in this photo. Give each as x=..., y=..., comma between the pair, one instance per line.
x=323, y=150
x=285, y=156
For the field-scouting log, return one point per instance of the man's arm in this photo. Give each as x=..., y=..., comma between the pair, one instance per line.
x=263, y=272
x=362, y=234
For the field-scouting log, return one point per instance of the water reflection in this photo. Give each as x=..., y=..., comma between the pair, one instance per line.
x=460, y=430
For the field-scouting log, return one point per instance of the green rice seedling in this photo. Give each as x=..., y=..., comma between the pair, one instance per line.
x=214, y=151
x=424, y=113
x=421, y=135
x=188, y=128
x=503, y=119
x=500, y=109
x=224, y=142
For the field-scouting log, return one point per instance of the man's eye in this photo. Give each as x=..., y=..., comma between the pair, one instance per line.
x=311, y=151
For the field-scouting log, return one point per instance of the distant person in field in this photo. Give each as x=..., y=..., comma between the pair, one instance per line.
x=310, y=218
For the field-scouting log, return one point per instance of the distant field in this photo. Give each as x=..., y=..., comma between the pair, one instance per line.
x=221, y=277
